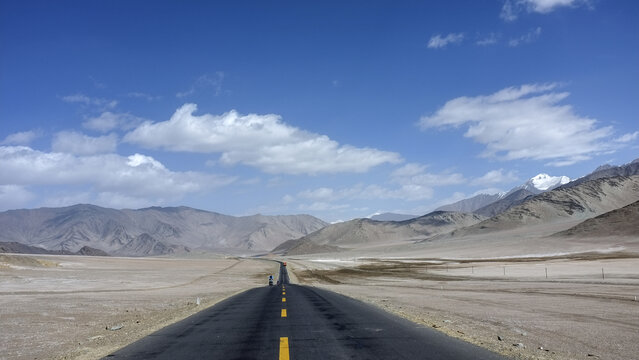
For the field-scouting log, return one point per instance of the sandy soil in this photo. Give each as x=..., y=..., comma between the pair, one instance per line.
x=69, y=307
x=572, y=314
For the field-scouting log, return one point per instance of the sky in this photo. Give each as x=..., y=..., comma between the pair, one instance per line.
x=338, y=109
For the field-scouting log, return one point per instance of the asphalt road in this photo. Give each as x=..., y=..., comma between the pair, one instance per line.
x=290, y=321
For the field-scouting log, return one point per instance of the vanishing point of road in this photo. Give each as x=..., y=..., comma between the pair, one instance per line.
x=290, y=321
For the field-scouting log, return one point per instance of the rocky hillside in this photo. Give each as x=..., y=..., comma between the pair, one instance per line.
x=513, y=198
x=151, y=231
x=583, y=201
x=365, y=232
x=618, y=222
x=471, y=204
x=17, y=248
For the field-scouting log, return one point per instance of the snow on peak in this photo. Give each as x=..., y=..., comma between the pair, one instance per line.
x=545, y=182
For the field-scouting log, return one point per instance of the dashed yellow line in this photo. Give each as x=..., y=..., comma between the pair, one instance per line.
x=283, y=312
x=284, y=348
x=283, y=299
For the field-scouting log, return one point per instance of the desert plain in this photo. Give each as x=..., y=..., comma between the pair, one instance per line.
x=83, y=307
x=580, y=303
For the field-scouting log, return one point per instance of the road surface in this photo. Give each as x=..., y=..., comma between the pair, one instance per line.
x=290, y=321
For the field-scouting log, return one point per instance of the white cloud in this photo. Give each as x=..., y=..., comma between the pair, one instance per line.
x=529, y=37
x=496, y=177
x=322, y=206
x=204, y=82
x=420, y=185
x=141, y=95
x=416, y=175
x=512, y=8
x=412, y=183
x=20, y=138
x=68, y=198
x=625, y=138
x=490, y=39
x=526, y=122
x=134, y=177
x=321, y=193
x=437, y=41
x=108, y=121
x=76, y=143
x=14, y=196
x=89, y=101
x=262, y=141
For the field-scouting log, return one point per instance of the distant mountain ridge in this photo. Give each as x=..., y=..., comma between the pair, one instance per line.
x=365, y=232
x=471, y=204
x=392, y=217
x=511, y=199
x=586, y=200
x=492, y=204
x=17, y=248
x=150, y=231
x=606, y=171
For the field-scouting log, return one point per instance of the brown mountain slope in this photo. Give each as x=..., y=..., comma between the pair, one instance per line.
x=150, y=231
x=580, y=202
x=360, y=233
x=618, y=222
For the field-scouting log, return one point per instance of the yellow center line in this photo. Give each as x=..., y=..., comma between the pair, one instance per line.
x=283, y=348
x=283, y=299
x=283, y=312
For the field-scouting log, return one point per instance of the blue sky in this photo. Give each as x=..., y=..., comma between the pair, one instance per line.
x=335, y=109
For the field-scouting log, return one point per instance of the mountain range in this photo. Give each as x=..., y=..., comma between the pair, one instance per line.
x=542, y=200
x=366, y=232
x=150, y=231
x=599, y=200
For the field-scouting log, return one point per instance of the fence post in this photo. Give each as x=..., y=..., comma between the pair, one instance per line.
x=546, y=273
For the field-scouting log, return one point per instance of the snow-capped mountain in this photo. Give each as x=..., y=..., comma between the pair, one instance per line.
x=493, y=204
x=543, y=182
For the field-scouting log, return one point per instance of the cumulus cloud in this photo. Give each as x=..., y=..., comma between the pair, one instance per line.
x=525, y=122
x=496, y=177
x=262, y=141
x=528, y=37
x=512, y=8
x=20, y=138
x=108, y=121
x=137, y=176
x=438, y=41
x=77, y=143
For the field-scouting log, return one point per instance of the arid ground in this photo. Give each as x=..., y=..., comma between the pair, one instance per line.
x=78, y=307
x=75, y=307
x=506, y=305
